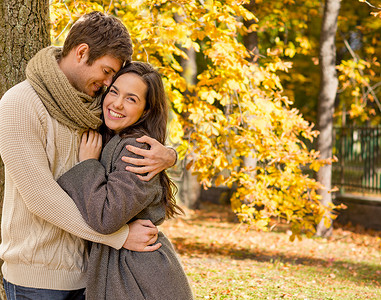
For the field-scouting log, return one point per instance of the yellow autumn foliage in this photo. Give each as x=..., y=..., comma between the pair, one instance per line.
x=234, y=110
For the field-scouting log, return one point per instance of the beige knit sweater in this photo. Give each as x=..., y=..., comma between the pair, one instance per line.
x=42, y=230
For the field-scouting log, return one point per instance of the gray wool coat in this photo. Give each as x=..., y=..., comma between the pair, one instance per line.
x=108, y=197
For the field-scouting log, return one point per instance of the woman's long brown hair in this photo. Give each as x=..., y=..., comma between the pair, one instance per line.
x=153, y=123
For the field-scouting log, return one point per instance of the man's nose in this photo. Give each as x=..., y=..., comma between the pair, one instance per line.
x=107, y=81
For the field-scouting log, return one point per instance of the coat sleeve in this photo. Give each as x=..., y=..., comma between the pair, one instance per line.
x=108, y=202
x=22, y=149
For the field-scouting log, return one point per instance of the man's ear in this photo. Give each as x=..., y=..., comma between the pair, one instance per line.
x=82, y=52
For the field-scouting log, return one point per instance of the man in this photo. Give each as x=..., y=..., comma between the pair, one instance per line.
x=41, y=122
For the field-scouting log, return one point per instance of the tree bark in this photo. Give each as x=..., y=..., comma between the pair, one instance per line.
x=190, y=188
x=250, y=40
x=326, y=101
x=24, y=29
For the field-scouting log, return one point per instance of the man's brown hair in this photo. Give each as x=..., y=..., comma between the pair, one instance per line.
x=104, y=34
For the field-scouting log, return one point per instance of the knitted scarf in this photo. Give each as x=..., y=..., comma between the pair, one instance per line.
x=63, y=102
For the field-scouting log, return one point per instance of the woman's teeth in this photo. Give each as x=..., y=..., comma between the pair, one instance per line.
x=115, y=114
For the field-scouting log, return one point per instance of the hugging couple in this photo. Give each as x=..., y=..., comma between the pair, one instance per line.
x=85, y=180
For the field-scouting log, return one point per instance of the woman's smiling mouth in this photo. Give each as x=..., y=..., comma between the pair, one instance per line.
x=115, y=114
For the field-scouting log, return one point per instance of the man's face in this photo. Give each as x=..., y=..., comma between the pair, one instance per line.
x=90, y=79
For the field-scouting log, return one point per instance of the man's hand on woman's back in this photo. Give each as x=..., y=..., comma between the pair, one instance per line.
x=141, y=236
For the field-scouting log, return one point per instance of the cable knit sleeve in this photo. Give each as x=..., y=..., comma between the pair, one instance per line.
x=22, y=149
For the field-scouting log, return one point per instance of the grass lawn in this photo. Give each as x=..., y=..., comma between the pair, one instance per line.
x=227, y=261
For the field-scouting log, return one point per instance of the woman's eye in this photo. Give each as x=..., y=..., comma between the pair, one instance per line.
x=113, y=92
x=131, y=99
x=106, y=72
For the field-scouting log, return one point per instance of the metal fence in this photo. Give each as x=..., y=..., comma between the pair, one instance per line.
x=359, y=166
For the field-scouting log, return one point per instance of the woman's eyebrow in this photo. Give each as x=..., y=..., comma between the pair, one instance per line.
x=132, y=94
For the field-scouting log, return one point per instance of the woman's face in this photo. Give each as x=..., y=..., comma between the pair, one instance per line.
x=125, y=102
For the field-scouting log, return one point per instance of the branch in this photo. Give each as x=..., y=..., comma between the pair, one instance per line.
x=370, y=89
x=68, y=23
x=370, y=4
x=109, y=7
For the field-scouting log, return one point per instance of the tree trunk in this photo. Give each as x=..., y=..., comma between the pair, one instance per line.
x=327, y=95
x=250, y=40
x=190, y=188
x=24, y=29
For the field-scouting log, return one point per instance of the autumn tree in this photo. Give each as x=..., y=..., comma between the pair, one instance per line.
x=327, y=95
x=233, y=110
x=358, y=65
x=292, y=30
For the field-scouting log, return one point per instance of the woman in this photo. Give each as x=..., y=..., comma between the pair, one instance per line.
x=108, y=196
